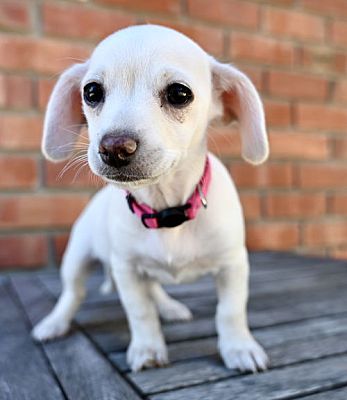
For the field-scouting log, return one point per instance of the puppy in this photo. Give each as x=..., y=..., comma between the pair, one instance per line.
x=170, y=212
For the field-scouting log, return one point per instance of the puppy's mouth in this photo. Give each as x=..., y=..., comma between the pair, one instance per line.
x=140, y=171
x=129, y=178
x=136, y=180
x=130, y=182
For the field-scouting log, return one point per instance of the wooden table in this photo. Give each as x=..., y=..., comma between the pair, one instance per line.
x=297, y=310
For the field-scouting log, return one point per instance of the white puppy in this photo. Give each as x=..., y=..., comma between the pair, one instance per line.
x=148, y=94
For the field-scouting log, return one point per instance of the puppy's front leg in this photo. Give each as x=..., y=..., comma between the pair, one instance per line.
x=237, y=346
x=147, y=347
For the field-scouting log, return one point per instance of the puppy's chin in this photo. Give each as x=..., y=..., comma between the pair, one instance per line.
x=133, y=179
x=132, y=184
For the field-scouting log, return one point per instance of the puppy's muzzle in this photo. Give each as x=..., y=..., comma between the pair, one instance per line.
x=117, y=151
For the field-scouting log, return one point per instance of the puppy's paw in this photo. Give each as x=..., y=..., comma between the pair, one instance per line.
x=146, y=356
x=173, y=310
x=244, y=354
x=50, y=328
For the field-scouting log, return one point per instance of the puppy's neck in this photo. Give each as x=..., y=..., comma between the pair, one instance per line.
x=175, y=188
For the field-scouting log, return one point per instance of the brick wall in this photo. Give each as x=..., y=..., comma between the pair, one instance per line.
x=293, y=50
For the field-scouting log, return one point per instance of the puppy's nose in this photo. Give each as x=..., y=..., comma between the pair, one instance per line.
x=117, y=151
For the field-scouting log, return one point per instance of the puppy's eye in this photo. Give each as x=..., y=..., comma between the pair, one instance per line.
x=178, y=95
x=93, y=94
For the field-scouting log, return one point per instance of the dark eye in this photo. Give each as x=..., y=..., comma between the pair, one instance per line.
x=93, y=94
x=178, y=95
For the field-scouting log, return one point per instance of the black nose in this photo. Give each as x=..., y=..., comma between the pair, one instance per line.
x=117, y=151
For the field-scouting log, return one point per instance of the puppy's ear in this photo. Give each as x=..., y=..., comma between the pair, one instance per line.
x=238, y=99
x=63, y=115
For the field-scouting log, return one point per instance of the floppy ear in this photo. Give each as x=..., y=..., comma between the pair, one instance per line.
x=240, y=100
x=63, y=115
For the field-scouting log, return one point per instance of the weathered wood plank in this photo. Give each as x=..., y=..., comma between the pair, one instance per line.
x=284, y=288
x=313, y=281
x=310, y=279
x=275, y=259
x=113, y=335
x=83, y=372
x=211, y=369
x=53, y=284
x=22, y=365
x=11, y=318
x=334, y=394
x=109, y=337
x=307, y=273
x=289, y=297
x=279, y=384
x=279, y=335
x=24, y=374
x=300, y=284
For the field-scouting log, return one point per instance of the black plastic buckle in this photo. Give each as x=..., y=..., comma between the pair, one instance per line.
x=168, y=218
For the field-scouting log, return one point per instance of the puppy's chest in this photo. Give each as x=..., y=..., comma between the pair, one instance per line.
x=174, y=257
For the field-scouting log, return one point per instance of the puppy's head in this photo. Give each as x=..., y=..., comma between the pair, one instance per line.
x=148, y=94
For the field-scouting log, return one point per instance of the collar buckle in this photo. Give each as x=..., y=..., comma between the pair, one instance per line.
x=168, y=218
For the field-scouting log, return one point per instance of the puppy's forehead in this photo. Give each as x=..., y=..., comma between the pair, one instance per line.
x=149, y=47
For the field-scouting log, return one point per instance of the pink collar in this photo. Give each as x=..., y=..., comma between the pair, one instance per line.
x=174, y=216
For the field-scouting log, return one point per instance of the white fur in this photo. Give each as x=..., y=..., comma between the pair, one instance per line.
x=134, y=65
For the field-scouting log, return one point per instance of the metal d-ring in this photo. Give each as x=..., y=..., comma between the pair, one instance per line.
x=202, y=196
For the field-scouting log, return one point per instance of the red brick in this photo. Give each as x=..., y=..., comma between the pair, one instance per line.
x=44, y=90
x=251, y=205
x=340, y=253
x=16, y=92
x=283, y=3
x=295, y=62
x=20, y=132
x=277, y=113
x=294, y=24
x=82, y=22
x=40, y=55
x=23, y=251
x=336, y=8
x=264, y=176
x=296, y=145
x=224, y=141
x=341, y=148
x=209, y=38
x=17, y=172
x=295, y=205
x=235, y=12
x=339, y=32
x=338, y=204
x=297, y=86
x=260, y=49
x=14, y=15
x=167, y=6
x=325, y=233
x=323, y=176
x=44, y=211
x=73, y=177
x=340, y=91
x=272, y=236
x=322, y=59
x=255, y=75
x=60, y=243
x=322, y=117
